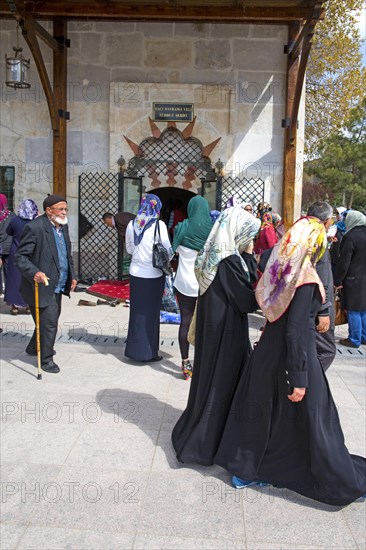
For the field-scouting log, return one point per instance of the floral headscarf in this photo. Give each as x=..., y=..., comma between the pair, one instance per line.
x=231, y=234
x=214, y=214
x=291, y=265
x=149, y=212
x=27, y=209
x=263, y=207
x=4, y=210
x=270, y=218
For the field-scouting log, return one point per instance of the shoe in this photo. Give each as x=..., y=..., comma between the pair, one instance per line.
x=187, y=369
x=50, y=367
x=348, y=343
x=155, y=359
x=241, y=483
x=363, y=342
x=14, y=310
x=33, y=352
x=28, y=310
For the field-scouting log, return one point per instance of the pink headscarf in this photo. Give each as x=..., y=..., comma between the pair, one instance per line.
x=4, y=210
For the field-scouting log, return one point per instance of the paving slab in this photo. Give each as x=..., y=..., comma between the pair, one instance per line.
x=88, y=460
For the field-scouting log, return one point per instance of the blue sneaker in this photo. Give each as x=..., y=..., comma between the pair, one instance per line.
x=241, y=483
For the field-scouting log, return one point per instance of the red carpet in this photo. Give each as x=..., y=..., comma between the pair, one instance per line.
x=110, y=289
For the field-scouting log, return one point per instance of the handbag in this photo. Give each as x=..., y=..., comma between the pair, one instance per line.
x=160, y=255
x=169, y=301
x=340, y=315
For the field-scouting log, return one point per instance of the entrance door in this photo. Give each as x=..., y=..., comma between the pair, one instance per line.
x=129, y=198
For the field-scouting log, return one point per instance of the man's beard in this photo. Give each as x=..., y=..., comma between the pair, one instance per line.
x=61, y=221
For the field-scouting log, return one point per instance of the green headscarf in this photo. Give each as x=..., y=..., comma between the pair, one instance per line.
x=354, y=219
x=193, y=231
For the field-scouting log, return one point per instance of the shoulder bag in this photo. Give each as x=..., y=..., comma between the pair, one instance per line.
x=160, y=255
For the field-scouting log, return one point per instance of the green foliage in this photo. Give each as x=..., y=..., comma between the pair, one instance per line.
x=335, y=80
x=341, y=168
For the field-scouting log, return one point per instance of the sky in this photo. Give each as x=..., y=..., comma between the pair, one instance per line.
x=362, y=26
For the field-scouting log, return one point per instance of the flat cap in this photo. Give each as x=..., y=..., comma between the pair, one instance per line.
x=51, y=200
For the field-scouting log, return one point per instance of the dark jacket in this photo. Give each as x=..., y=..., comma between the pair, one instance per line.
x=324, y=270
x=37, y=251
x=351, y=269
x=121, y=220
x=5, y=238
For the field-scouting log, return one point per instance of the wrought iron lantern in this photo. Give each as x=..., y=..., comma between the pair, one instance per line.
x=121, y=164
x=219, y=168
x=17, y=68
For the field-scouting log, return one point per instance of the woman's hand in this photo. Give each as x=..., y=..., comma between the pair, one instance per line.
x=297, y=395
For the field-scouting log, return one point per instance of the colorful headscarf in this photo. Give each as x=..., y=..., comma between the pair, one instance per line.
x=354, y=219
x=231, y=234
x=234, y=200
x=270, y=218
x=263, y=207
x=214, y=214
x=27, y=209
x=149, y=212
x=291, y=265
x=194, y=231
x=4, y=210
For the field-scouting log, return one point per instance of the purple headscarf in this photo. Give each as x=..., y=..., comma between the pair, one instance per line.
x=27, y=209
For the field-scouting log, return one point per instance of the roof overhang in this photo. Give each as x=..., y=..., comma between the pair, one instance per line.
x=228, y=11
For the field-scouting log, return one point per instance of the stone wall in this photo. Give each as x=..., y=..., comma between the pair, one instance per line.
x=235, y=75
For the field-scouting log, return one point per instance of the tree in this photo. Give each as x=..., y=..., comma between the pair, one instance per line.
x=341, y=167
x=335, y=78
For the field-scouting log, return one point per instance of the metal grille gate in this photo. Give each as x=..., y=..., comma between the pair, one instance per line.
x=101, y=255
x=246, y=190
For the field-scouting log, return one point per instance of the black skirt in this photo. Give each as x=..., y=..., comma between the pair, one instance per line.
x=144, y=323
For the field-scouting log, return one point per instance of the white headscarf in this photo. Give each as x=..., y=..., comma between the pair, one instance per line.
x=232, y=232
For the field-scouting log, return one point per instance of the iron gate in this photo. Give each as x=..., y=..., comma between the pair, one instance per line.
x=101, y=254
x=219, y=191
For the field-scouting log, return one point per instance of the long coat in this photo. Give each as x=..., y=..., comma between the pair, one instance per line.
x=351, y=269
x=37, y=251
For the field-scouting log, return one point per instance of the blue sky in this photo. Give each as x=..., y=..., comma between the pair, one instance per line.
x=362, y=26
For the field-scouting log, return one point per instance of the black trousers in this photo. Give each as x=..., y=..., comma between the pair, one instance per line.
x=48, y=321
x=186, y=308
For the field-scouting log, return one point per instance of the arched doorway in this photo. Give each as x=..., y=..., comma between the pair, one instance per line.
x=172, y=198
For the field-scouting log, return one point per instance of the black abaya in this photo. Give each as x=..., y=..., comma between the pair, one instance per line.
x=299, y=446
x=221, y=350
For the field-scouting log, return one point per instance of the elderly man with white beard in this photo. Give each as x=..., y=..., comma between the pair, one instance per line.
x=44, y=256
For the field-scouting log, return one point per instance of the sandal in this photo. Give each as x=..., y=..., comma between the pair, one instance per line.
x=187, y=369
x=28, y=310
x=14, y=310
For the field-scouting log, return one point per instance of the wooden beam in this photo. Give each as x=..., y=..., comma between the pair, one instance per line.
x=114, y=11
x=47, y=38
x=59, y=90
x=289, y=163
x=31, y=39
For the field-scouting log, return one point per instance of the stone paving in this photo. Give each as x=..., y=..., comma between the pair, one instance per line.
x=87, y=461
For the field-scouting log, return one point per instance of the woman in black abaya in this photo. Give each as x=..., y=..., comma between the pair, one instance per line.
x=283, y=427
x=222, y=341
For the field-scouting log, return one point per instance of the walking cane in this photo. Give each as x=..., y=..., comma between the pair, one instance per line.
x=38, y=337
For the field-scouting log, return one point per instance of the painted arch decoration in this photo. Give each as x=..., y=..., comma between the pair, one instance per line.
x=171, y=157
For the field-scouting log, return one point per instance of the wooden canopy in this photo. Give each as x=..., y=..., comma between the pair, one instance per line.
x=300, y=16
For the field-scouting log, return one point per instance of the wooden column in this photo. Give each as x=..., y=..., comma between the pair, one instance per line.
x=60, y=98
x=289, y=163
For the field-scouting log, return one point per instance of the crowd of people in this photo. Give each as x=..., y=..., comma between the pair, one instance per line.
x=263, y=414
